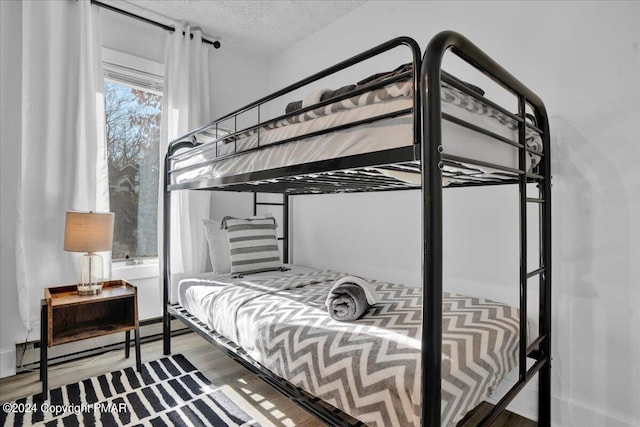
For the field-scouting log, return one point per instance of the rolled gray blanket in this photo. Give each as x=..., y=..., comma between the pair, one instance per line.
x=293, y=106
x=347, y=302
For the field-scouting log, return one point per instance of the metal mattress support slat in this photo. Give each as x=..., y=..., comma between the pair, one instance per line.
x=376, y=158
x=369, y=179
x=458, y=169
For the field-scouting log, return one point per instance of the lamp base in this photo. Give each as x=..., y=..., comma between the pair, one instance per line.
x=90, y=274
x=92, y=289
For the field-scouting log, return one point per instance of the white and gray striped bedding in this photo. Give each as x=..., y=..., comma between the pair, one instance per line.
x=370, y=367
x=450, y=97
x=198, y=164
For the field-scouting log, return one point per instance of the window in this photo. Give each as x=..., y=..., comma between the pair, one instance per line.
x=133, y=106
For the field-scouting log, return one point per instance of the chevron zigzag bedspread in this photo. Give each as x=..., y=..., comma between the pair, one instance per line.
x=369, y=368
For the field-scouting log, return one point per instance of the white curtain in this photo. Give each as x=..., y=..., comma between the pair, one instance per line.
x=186, y=105
x=63, y=153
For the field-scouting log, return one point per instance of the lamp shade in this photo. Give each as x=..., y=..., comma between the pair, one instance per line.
x=88, y=231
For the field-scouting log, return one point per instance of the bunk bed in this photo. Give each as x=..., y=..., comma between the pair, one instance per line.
x=384, y=133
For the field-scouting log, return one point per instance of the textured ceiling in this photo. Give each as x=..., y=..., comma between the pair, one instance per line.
x=264, y=27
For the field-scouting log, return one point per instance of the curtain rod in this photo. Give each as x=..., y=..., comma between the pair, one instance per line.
x=216, y=44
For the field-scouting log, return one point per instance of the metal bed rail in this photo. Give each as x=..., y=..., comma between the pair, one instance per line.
x=375, y=51
x=319, y=132
x=236, y=134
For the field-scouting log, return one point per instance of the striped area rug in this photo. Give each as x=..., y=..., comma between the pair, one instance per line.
x=169, y=391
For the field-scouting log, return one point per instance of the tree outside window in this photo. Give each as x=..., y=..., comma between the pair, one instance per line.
x=133, y=140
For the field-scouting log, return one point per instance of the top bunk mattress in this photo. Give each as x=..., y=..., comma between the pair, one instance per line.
x=391, y=106
x=370, y=367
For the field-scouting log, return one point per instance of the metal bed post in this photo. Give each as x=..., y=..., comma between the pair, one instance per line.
x=431, y=161
x=166, y=243
x=522, y=223
x=285, y=227
x=166, y=258
x=544, y=385
x=255, y=203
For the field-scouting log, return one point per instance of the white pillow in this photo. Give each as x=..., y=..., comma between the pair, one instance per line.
x=219, y=244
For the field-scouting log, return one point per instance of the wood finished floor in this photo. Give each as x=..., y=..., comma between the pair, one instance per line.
x=254, y=396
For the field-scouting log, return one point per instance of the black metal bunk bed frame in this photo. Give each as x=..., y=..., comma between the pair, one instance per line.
x=427, y=149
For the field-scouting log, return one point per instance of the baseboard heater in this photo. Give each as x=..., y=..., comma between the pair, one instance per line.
x=22, y=349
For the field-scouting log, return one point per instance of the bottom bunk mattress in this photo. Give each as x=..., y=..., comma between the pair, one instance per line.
x=370, y=367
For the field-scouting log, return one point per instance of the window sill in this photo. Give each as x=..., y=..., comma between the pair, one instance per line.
x=149, y=269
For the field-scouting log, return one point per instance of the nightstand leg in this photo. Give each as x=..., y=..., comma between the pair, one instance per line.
x=44, y=330
x=137, y=339
x=127, y=344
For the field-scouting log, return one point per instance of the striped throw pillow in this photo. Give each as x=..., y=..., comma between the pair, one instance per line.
x=253, y=246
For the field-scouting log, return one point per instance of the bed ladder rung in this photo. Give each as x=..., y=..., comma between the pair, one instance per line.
x=535, y=176
x=534, y=200
x=480, y=129
x=535, y=272
x=532, y=349
x=534, y=151
x=269, y=203
x=536, y=367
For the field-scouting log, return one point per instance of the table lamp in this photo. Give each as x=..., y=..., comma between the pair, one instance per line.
x=89, y=232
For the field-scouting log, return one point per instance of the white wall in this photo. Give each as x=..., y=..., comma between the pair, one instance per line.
x=237, y=78
x=582, y=59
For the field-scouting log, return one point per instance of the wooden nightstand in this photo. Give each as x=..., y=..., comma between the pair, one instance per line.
x=67, y=317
